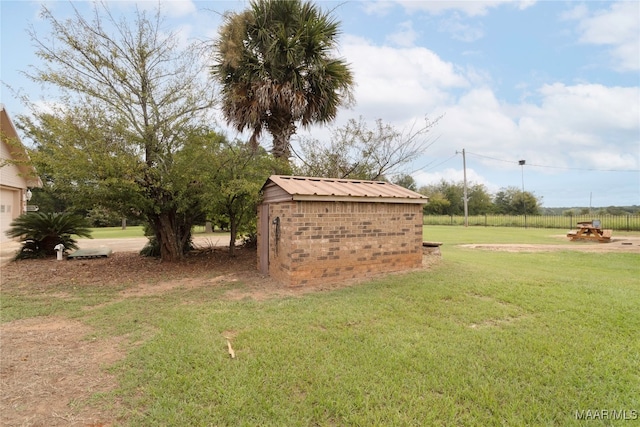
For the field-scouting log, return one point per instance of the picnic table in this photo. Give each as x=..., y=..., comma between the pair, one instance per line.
x=590, y=230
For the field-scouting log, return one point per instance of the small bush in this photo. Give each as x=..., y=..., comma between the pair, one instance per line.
x=42, y=232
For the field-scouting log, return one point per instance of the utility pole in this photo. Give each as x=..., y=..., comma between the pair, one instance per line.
x=524, y=203
x=466, y=199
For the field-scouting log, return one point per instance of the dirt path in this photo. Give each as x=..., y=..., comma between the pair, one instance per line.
x=132, y=244
x=50, y=370
x=622, y=244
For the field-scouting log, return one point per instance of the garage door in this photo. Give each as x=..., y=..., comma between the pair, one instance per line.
x=9, y=209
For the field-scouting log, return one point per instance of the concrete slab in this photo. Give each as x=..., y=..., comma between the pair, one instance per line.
x=102, y=252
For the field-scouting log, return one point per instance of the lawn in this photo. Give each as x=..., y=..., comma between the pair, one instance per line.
x=133, y=231
x=483, y=338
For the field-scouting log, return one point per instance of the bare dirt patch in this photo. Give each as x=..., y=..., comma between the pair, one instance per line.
x=49, y=371
x=626, y=244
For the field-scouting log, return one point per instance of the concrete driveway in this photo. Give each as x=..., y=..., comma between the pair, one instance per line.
x=132, y=244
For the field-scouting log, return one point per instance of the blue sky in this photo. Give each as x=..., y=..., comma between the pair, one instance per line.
x=554, y=83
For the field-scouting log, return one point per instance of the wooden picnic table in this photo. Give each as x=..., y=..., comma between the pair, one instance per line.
x=590, y=230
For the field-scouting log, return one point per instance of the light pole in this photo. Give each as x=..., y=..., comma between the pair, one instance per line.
x=466, y=198
x=524, y=202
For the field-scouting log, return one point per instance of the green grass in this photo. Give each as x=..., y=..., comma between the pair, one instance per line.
x=136, y=231
x=482, y=339
x=117, y=232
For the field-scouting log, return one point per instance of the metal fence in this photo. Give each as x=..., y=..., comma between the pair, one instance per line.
x=613, y=222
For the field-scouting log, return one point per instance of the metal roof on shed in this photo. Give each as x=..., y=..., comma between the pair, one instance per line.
x=310, y=188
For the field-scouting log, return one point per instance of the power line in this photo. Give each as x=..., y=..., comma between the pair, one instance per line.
x=423, y=168
x=554, y=167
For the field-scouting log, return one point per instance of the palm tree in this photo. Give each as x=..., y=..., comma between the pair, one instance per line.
x=277, y=67
x=41, y=232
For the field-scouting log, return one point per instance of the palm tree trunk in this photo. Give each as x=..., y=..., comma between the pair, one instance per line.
x=282, y=140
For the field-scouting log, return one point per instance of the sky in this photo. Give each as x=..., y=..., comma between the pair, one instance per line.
x=553, y=83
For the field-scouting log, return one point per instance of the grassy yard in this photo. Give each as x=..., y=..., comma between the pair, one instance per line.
x=482, y=339
x=132, y=231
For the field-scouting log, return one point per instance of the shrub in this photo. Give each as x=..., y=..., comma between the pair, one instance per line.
x=41, y=232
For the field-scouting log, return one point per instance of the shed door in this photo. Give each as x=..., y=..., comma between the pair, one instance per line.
x=264, y=238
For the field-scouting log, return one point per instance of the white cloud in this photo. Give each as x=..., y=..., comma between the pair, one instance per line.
x=582, y=126
x=460, y=30
x=470, y=8
x=405, y=36
x=379, y=8
x=617, y=27
x=169, y=8
x=177, y=8
x=452, y=175
x=478, y=121
x=397, y=83
x=579, y=126
x=593, y=107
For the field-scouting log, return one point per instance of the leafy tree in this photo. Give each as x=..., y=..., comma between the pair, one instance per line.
x=243, y=174
x=357, y=152
x=438, y=203
x=406, y=181
x=130, y=99
x=48, y=200
x=614, y=210
x=102, y=217
x=447, y=198
x=229, y=184
x=42, y=232
x=480, y=200
x=512, y=201
x=277, y=67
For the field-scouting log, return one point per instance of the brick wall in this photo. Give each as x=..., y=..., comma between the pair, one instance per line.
x=324, y=242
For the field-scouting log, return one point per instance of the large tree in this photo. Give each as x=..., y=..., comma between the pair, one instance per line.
x=447, y=198
x=513, y=201
x=130, y=96
x=229, y=184
x=357, y=151
x=235, y=191
x=277, y=65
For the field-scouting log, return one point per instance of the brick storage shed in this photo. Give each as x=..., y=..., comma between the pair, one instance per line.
x=321, y=230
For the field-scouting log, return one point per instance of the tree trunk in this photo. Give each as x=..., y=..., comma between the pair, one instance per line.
x=233, y=229
x=282, y=140
x=49, y=243
x=173, y=236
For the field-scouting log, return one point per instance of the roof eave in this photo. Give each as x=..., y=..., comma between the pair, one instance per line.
x=318, y=198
